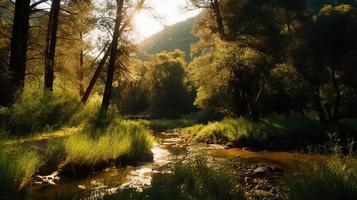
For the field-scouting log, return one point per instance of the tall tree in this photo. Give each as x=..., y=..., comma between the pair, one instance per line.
x=51, y=40
x=74, y=43
x=112, y=59
x=106, y=55
x=166, y=88
x=18, y=55
x=325, y=55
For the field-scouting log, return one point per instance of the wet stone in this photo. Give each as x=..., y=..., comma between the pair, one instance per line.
x=248, y=179
x=208, y=141
x=260, y=170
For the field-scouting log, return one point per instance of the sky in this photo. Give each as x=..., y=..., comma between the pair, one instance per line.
x=161, y=13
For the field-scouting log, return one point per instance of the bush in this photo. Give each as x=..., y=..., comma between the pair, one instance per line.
x=36, y=111
x=190, y=181
x=120, y=138
x=16, y=170
x=334, y=179
x=89, y=112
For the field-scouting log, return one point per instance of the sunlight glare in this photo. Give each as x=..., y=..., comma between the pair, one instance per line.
x=160, y=14
x=146, y=25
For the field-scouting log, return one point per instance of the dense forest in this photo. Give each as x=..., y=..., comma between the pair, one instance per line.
x=250, y=99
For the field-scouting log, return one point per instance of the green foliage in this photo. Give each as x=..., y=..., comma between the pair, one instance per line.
x=131, y=97
x=36, y=111
x=325, y=55
x=276, y=56
x=74, y=61
x=168, y=96
x=157, y=87
x=16, y=169
x=195, y=180
x=120, y=138
x=333, y=179
x=229, y=78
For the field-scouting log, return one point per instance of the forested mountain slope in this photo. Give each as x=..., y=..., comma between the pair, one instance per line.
x=177, y=36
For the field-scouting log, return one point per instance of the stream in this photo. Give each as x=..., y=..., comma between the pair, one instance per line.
x=259, y=172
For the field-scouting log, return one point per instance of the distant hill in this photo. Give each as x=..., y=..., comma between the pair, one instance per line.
x=177, y=36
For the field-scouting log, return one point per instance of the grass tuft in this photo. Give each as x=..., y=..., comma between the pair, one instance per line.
x=17, y=169
x=269, y=132
x=334, y=179
x=120, y=138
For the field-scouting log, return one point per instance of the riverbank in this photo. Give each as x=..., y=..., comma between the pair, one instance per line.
x=70, y=152
x=273, y=132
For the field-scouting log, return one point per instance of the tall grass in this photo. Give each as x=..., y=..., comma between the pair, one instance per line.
x=120, y=138
x=88, y=113
x=273, y=131
x=195, y=180
x=16, y=169
x=334, y=179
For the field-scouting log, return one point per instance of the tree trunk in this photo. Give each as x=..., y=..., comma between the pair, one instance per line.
x=320, y=109
x=95, y=76
x=81, y=63
x=337, y=89
x=112, y=60
x=51, y=40
x=18, y=55
x=219, y=20
x=104, y=59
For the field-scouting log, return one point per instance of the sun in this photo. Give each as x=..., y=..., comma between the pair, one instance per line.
x=146, y=25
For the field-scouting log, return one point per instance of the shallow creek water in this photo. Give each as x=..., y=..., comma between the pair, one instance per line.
x=169, y=149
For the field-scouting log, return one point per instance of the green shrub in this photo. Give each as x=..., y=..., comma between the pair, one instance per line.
x=37, y=111
x=194, y=181
x=334, y=179
x=120, y=138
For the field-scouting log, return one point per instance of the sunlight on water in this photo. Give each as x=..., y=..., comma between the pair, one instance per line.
x=112, y=179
